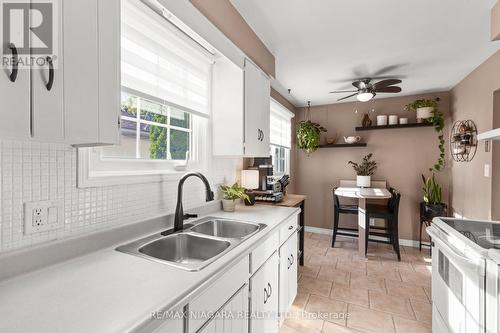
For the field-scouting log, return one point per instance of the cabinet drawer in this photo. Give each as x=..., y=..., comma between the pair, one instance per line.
x=259, y=256
x=288, y=228
x=217, y=294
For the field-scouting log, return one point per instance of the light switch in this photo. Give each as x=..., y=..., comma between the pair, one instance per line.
x=487, y=170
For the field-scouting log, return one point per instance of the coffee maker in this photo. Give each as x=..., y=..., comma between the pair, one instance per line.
x=267, y=187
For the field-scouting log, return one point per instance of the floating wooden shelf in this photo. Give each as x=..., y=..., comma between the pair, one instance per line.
x=343, y=145
x=393, y=126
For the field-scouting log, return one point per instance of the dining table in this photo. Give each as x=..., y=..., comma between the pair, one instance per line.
x=362, y=194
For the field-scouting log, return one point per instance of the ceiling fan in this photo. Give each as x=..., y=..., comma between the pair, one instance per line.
x=366, y=90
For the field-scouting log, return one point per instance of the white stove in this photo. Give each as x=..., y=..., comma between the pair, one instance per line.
x=465, y=275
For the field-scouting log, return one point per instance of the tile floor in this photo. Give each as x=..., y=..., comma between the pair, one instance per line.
x=339, y=291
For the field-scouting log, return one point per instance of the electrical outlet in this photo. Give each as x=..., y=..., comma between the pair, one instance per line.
x=42, y=216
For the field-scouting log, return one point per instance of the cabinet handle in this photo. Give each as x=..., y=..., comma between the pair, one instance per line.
x=15, y=63
x=289, y=263
x=293, y=259
x=267, y=292
x=290, y=227
x=262, y=137
x=51, y=74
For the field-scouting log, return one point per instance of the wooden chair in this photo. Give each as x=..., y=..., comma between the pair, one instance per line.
x=389, y=213
x=342, y=209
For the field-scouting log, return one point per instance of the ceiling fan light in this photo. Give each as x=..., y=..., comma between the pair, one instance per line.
x=365, y=96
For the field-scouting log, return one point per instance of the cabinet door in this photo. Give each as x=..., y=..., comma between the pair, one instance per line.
x=288, y=273
x=175, y=324
x=15, y=98
x=257, y=111
x=92, y=71
x=47, y=87
x=230, y=318
x=264, y=297
x=227, y=110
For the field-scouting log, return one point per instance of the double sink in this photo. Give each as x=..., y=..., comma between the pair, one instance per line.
x=195, y=247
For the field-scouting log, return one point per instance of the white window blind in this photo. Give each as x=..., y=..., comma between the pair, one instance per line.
x=160, y=63
x=281, y=125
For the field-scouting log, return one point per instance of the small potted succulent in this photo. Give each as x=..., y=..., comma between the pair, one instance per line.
x=423, y=107
x=433, y=195
x=231, y=194
x=364, y=170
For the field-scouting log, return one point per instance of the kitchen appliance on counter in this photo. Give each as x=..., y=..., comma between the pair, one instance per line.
x=465, y=275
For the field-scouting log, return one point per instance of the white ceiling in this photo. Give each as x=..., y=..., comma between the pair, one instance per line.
x=322, y=45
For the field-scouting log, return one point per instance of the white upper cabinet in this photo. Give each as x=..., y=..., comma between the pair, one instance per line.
x=240, y=110
x=257, y=111
x=92, y=71
x=14, y=96
x=74, y=96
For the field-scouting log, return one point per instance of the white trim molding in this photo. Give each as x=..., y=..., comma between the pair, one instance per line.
x=323, y=231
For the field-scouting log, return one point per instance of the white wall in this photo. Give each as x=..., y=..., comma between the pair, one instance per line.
x=37, y=171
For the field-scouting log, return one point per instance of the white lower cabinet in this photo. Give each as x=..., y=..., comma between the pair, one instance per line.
x=231, y=318
x=173, y=324
x=288, y=273
x=264, y=297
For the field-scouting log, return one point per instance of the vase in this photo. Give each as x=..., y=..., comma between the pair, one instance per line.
x=367, y=122
x=228, y=205
x=424, y=113
x=363, y=181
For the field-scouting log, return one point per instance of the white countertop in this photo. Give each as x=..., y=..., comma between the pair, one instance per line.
x=110, y=291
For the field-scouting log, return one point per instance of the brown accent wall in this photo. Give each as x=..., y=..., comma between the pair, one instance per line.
x=473, y=98
x=402, y=155
x=229, y=21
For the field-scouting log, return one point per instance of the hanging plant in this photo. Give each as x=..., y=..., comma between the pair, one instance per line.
x=309, y=134
x=437, y=120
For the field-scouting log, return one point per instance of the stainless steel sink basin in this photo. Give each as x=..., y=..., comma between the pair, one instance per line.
x=184, y=248
x=196, y=247
x=226, y=228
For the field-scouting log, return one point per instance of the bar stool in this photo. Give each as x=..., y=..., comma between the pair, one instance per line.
x=389, y=213
x=341, y=209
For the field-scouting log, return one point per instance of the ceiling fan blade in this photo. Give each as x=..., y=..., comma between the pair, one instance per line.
x=346, y=97
x=386, y=83
x=392, y=89
x=342, y=91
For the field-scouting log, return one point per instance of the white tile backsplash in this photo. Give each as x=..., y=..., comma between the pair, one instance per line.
x=33, y=171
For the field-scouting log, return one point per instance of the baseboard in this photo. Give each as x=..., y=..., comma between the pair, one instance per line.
x=323, y=231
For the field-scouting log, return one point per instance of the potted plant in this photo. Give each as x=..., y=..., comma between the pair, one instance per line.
x=433, y=195
x=308, y=135
x=364, y=171
x=423, y=107
x=231, y=194
x=427, y=109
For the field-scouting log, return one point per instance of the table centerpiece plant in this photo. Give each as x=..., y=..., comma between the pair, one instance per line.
x=364, y=170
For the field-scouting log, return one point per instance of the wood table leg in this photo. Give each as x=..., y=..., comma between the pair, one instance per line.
x=361, y=226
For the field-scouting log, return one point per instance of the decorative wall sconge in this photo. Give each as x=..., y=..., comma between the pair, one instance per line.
x=463, y=141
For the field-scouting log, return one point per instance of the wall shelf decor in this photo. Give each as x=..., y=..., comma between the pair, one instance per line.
x=393, y=126
x=463, y=141
x=343, y=145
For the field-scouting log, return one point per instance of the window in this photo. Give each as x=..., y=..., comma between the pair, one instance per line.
x=151, y=130
x=280, y=137
x=166, y=77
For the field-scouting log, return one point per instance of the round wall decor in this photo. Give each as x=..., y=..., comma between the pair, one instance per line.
x=463, y=141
